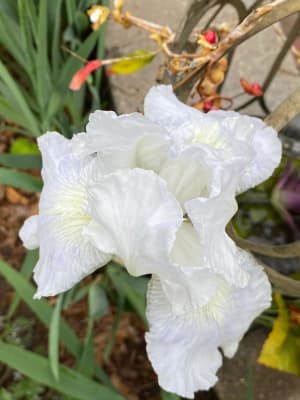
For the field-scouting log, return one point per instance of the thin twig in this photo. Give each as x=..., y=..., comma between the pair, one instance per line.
x=232, y=38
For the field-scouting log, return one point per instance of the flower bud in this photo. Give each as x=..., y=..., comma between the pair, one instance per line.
x=207, y=106
x=257, y=89
x=254, y=90
x=210, y=36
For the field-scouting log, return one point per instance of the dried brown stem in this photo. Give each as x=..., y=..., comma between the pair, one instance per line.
x=290, y=250
x=242, y=29
x=285, y=112
x=282, y=284
x=256, y=21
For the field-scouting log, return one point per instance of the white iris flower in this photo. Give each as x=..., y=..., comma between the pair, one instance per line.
x=66, y=255
x=157, y=191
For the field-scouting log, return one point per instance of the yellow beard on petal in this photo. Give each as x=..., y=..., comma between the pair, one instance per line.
x=210, y=137
x=68, y=212
x=215, y=308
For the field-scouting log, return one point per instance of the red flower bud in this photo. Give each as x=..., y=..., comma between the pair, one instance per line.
x=257, y=89
x=80, y=77
x=207, y=106
x=254, y=90
x=210, y=36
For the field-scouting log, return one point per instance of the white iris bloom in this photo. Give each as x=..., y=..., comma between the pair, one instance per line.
x=157, y=191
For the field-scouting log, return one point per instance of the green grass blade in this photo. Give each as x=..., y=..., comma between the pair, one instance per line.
x=19, y=98
x=168, y=396
x=10, y=38
x=55, y=49
x=41, y=308
x=98, y=303
x=72, y=64
x=85, y=366
x=42, y=62
x=134, y=288
x=53, y=344
x=71, y=11
x=9, y=8
x=11, y=113
x=26, y=271
x=27, y=39
x=32, y=13
x=98, y=307
x=112, y=337
x=21, y=161
x=58, y=97
x=43, y=311
x=37, y=368
x=20, y=180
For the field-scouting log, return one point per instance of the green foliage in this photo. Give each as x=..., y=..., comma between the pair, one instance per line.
x=26, y=389
x=18, y=332
x=23, y=146
x=59, y=330
x=21, y=161
x=35, y=71
x=169, y=396
x=70, y=383
x=53, y=342
x=132, y=288
x=26, y=271
x=20, y=180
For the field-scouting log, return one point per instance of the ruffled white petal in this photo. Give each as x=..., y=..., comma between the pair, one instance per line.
x=263, y=140
x=189, y=272
x=183, y=362
x=162, y=107
x=210, y=217
x=135, y=218
x=247, y=304
x=65, y=256
x=29, y=233
x=125, y=141
x=184, y=347
x=233, y=136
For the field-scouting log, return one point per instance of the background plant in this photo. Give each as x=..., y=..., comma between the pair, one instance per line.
x=35, y=70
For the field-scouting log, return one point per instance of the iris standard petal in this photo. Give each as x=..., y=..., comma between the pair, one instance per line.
x=263, y=140
x=162, y=107
x=234, y=137
x=124, y=141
